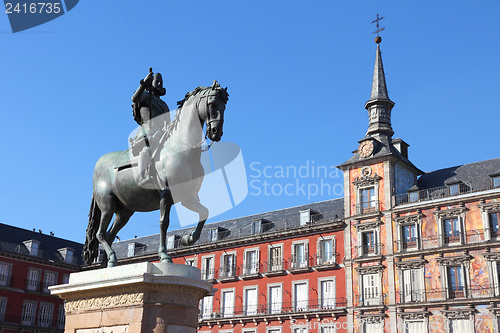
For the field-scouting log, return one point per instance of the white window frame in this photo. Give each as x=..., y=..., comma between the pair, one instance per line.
x=412, y=291
x=407, y=322
x=206, y=307
x=495, y=180
x=33, y=284
x=211, y=270
x=320, y=257
x=61, y=316
x=46, y=283
x=5, y=273
x=193, y=260
x=274, y=307
x=295, y=301
x=376, y=298
x=454, y=213
x=28, y=320
x=251, y=268
x=3, y=307
x=172, y=242
x=45, y=318
x=406, y=221
x=250, y=311
x=227, y=272
x=331, y=302
x=275, y=266
x=453, y=321
x=486, y=210
x=448, y=262
x=300, y=328
x=274, y=329
x=328, y=328
x=227, y=310
x=294, y=260
x=363, y=249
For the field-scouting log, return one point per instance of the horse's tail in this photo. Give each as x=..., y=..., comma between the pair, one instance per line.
x=91, y=247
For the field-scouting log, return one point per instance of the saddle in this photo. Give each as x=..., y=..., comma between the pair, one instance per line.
x=126, y=160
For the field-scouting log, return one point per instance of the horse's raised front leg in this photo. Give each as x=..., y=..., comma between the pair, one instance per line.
x=166, y=203
x=195, y=205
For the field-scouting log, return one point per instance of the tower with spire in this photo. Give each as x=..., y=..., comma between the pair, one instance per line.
x=378, y=170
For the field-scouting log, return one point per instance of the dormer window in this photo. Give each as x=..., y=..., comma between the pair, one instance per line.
x=214, y=234
x=496, y=181
x=131, y=250
x=307, y=216
x=33, y=247
x=454, y=189
x=172, y=242
x=256, y=227
x=135, y=248
x=67, y=254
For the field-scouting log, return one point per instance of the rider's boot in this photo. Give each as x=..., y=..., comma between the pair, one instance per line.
x=145, y=177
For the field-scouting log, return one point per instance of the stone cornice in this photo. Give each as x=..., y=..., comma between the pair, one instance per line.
x=366, y=180
x=371, y=317
x=491, y=256
x=368, y=225
x=490, y=207
x=41, y=261
x=408, y=264
x=459, y=313
x=409, y=219
x=417, y=315
x=456, y=260
x=452, y=212
x=370, y=269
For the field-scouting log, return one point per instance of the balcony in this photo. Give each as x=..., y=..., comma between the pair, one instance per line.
x=251, y=270
x=370, y=250
x=325, y=261
x=19, y=323
x=442, y=240
x=278, y=308
x=228, y=273
x=440, y=192
x=372, y=299
x=6, y=281
x=368, y=208
x=209, y=275
x=275, y=267
x=440, y=294
x=299, y=264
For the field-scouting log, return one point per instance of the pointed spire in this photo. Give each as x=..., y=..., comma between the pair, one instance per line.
x=379, y=87
x=379, y=106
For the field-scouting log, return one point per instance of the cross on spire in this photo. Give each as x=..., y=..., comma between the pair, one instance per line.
x=379, y=29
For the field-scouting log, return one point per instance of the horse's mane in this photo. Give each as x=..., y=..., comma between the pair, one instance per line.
x=173, y=124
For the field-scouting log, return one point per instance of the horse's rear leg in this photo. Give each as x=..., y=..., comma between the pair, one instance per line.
x=166, y=203
x=122, y=216
x=108, y=209
x=195, y=205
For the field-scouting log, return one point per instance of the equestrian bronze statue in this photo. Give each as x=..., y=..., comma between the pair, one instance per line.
x=175, y=170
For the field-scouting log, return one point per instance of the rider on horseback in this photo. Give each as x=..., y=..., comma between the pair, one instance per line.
x=147, y=108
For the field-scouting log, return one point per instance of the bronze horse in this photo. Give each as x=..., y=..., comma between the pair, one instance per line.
x=179, y=175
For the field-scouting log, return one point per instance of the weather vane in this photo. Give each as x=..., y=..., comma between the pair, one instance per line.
x=378, y=39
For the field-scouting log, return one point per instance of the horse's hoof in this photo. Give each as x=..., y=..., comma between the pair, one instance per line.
x=187, y=240
x=165, y=258
x=112, y=263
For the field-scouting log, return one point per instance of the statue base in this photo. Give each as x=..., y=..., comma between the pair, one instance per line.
x=135, y=298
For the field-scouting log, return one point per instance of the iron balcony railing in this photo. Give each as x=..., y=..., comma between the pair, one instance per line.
x=262, y=309
x=251, y=268
x=6, y=281
x=372, y=299
x=276, y=265
x=32, y=322
x=298, y=262
x=440, y=294
x=368, y=207
x=227, y=272
x=369, y=250
x=440, y=192
x=328, y=258
x=440, y=240
x=208, y=274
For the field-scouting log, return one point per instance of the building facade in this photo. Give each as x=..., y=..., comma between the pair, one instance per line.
x=277, y=272
x=31, y=262
x=422, y=251
x=403, y=251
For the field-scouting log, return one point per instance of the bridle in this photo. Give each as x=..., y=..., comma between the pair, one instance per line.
x=208, y=121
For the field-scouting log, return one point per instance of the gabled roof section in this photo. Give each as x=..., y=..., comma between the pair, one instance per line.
x=330, y=210
x=476, y=174
x=12, y=240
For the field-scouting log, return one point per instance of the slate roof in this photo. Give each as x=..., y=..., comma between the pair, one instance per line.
x=476, y=174
x=12, y=240
x=330, y=210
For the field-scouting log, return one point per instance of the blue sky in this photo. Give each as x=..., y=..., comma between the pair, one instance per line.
x=298, y=74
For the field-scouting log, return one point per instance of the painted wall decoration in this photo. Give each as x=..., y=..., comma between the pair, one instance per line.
x=403, y=179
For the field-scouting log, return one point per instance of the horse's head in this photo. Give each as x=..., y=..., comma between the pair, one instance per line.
x=211, y=110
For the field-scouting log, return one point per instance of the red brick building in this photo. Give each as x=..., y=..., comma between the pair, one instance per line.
x=275, y=272
x=30, y=262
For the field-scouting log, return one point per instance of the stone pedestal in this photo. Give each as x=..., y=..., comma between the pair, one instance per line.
x=136, y=298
